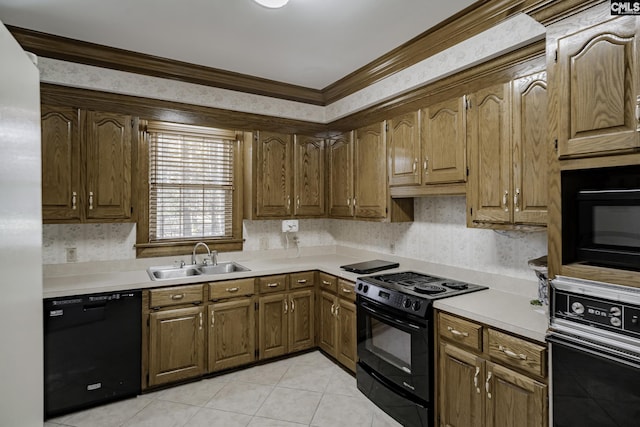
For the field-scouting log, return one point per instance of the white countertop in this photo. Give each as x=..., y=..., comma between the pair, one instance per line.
x=496, y=307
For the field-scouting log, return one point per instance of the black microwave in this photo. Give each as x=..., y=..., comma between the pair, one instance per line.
x=608, y=227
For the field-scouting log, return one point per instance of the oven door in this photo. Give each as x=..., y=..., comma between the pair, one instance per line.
x=396, y=348
x=593, y=385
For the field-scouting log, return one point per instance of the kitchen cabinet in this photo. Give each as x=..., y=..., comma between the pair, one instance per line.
x=176, y=335
x=596, y=84
x=403, y=138
x=232, y=325
x=287, y=176
x=286, y=319
x=86, y=165
x=508, y=154
x=489, y=378
x=358, y=178
x=337, y=320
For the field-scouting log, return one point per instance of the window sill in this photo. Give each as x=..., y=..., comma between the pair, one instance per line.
x=148, y=250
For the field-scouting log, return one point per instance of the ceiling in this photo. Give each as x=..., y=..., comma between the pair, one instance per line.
x=309, y=43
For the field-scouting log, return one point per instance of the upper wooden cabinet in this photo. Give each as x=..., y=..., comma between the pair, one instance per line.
x=358, y=178
x=597, y=89
x=86, y=165
x=286, y=176
x=508, y=149
x=403, y=138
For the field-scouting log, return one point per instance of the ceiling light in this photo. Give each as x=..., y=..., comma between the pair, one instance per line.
x=272, y=4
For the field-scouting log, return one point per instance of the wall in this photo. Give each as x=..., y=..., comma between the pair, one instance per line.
x=437, y=235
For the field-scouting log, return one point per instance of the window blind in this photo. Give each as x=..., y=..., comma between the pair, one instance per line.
x=190, y=182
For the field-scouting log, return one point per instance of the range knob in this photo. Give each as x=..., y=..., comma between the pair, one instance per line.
x=416, y=305
x=615, y=321
x=407, y=303
x=615, y=311
x=360, y=286
x=577, y=308
x=365, y=289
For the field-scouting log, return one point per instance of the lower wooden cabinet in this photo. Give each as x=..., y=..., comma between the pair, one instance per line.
x=232, y=339
x=328, y=326
x=337, y=324
x=301, y=320
x=475, y=391
x=176, y=345
x=346, y=337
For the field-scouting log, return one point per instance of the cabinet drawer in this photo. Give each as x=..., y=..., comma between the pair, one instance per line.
x=272, y=283
x=461, y=331
x=231, y=288
x=518, y=353
x=175, y=296
x=328, y=282
x=301, y=280
x=346, y=290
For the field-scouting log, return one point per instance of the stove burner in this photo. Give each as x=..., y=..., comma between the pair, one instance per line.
x=429, y=289
x=458, y=286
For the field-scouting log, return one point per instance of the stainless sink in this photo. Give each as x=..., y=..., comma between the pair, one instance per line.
x=172, y=272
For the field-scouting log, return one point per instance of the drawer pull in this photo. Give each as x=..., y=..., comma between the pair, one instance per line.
x=457, y=333
x=273, y=285
x=302, y=281
x=177, y=297
x=475, y=379
x=487, y=385
x=232, y=289
x=326, y=283
x=346, y=290
x=511, y=354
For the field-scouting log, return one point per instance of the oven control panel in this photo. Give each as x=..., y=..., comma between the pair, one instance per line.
x=393, y=298
x=597, y=312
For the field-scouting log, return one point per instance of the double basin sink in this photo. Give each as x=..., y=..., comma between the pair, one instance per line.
x=172, y=272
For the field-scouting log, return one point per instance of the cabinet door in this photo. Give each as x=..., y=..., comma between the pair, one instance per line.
x=231, y=334
x=60, y=163
x=301, y=320
x=272, y=326
x=514, y=399
x=341, y=176
x=403, y=139
x=598, y=93
x=444, y=142
x=346, y=340
x=370, y=168
x=328, y=325
x=108, y=159
x=309, y=179
x=273, y=175
x=176, y=345
x=461, y=387
x=530, y=148
x=489, y=129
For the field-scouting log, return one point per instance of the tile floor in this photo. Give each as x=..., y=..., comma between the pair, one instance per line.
x=306, y=390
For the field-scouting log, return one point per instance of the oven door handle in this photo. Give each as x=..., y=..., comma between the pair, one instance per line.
x=593, y=349
x=388, y=318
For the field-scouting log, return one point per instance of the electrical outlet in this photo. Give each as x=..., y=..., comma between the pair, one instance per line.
x=72, y=255
x=290, y=225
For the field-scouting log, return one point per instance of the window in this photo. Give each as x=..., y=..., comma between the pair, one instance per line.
x=192, y=189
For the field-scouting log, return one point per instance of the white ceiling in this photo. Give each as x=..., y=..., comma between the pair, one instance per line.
x=311, y=43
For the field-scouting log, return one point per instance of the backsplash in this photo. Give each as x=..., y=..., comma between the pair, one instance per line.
x=438, y=234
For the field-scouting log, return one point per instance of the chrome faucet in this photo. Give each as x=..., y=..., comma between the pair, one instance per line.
x=214, y=257
x=193, y=255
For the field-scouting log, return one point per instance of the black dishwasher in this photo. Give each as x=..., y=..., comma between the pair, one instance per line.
x=91, y=350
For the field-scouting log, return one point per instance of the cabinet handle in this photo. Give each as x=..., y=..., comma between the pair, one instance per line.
x=90, y=200
x=213, y=318
x=475, y=379
x=505, y=197
x=511, y=354
x=426, y=165
x=286, y=306
x=354, y=202
x=346, y=290
x=348, y=201
x=273, y=285
x=326, y=283
x=516, y=200
x=288, y=202
x=200, y=320
x=232, y=289
x=302, y=281
x=487, y=385
x=457, y=333
x=293, y=306
x=415, y=165
x=333, y=309
x=298, y=201
x=638, y=114
x=177, y=297
x=74, y=200
x=337, y=311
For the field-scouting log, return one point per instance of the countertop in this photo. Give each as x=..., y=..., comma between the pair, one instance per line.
x=509, y=311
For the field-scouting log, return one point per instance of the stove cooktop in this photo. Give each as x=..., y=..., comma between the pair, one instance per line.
x=411, y=291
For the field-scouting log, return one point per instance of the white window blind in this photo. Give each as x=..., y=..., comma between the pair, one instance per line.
x=190, y=182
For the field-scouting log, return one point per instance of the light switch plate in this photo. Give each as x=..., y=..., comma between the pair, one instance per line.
x=290, y=225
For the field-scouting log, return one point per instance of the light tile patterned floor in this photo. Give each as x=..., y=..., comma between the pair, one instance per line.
x=307, y=390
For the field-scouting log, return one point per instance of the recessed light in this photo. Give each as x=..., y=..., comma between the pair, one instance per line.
x=272, y=4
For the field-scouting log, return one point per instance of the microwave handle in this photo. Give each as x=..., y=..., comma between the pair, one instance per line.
x=388, y=318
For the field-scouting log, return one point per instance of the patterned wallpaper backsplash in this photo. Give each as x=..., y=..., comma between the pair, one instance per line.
x=438, y=234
